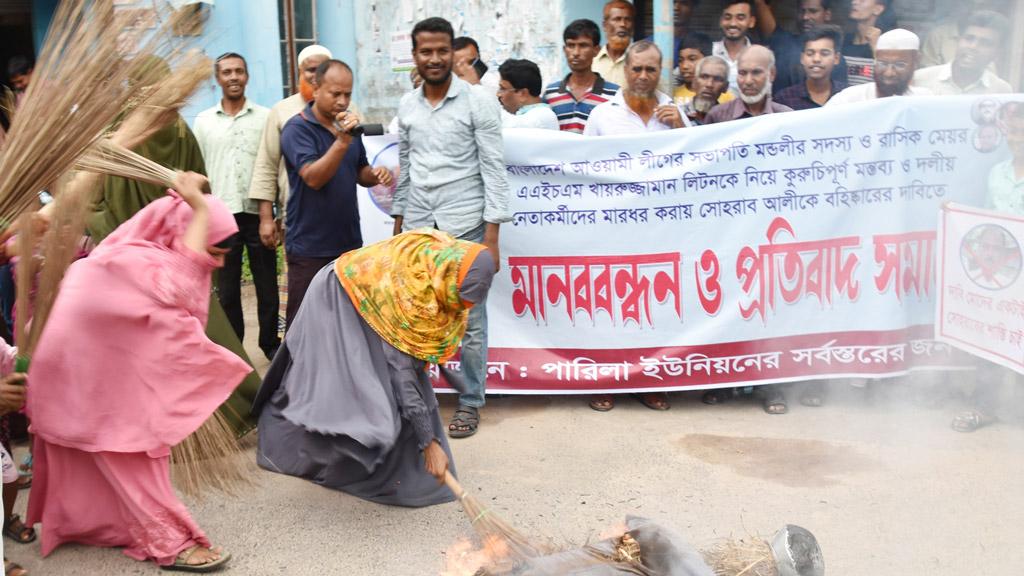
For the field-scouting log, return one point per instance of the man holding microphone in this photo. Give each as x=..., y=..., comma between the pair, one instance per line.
x=325, y=161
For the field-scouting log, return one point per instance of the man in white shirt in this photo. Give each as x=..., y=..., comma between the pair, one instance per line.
x=639, y=106
x=896, y=57
x=736, y=21
x=229, y=135
x=519, y=93
x=982, y=35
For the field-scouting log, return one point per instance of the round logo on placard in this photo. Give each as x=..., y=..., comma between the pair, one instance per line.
x=991, y=256
x=382, y=196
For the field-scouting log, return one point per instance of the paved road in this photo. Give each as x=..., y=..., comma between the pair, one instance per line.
x=888, y=489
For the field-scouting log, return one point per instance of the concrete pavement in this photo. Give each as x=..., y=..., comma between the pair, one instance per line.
x=888, y=489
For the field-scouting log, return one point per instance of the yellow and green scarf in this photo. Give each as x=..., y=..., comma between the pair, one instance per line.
x=407, y=290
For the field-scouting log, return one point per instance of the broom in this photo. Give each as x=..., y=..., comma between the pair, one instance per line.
x=492, y=528
x=81, y=87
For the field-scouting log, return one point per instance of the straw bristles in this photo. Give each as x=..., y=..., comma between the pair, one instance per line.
x=62, y=241
x=27, y=267
x=491, y=527
x=106, y=157
x=80, y=85
x=211, y=458
x=751, y=557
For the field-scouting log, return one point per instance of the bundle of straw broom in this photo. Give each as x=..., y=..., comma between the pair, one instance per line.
x=81, y=87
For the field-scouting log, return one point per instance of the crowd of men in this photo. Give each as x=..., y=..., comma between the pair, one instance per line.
x=290, y=172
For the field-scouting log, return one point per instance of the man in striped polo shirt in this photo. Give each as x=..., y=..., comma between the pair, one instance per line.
x=573, y=97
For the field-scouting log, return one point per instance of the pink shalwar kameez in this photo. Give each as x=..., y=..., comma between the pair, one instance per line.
x=124, y=371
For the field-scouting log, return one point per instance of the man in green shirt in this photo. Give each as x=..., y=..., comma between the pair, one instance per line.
x=229, y=136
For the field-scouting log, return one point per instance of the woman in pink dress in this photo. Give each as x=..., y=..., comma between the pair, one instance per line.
x=123, y=372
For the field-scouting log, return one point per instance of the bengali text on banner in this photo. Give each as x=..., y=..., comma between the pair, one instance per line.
x=787, y=247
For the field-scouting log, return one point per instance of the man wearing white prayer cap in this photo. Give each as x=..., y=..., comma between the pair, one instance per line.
x=896, y=58
x=269, y=184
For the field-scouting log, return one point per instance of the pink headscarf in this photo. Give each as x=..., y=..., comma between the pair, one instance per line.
x=124, y=364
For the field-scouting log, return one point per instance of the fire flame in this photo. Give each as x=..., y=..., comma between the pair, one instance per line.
x=464, y=559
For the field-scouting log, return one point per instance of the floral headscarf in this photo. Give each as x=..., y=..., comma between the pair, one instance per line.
x=407, y=288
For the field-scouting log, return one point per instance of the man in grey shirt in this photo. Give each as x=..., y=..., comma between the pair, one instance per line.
x=452, y=177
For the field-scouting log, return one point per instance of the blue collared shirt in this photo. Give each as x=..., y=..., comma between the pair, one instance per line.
x=451, y=161
x=320, y=223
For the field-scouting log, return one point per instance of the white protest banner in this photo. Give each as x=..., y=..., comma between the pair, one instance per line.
x=786, y=247
x=981, y=302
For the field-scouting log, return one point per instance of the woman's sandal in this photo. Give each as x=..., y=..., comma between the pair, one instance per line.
x=602, y=403
x=970, y=420
x=13, y=569
x=464, y=422
x=181, y=563
x=18, y=531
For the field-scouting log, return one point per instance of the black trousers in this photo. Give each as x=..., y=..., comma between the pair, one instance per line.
x=263, y=264
x=301, y=270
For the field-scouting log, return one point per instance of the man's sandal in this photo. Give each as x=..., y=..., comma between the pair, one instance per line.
x=464, y=422
x=602, y=403
x=14, y=569
x=775, y=402
x=18, y=531
x=181, y=563
x=654, y=400
x=970, y=421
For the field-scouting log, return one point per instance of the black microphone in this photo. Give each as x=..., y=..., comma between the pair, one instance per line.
x=368, y=130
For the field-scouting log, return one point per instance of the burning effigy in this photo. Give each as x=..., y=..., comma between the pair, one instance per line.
x=646, y=548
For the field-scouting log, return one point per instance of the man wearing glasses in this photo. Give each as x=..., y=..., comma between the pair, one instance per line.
x=896, y=57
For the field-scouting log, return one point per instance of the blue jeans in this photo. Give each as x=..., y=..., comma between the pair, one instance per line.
x=471, y=380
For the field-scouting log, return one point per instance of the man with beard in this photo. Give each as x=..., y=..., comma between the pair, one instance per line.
x=619, y=17
x=693, y=49
x=710, y=84
x=639, y=106
x=736, y=21
x=755, y=72
x=575, y=96
x=819, y=58
x=896, y=57
x=981, y=37
x=229, y=135
x=452, y=177
x=788, y=46
x=325, y=161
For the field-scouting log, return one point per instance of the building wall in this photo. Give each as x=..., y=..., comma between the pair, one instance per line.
x=249, y=28
x=504, y=29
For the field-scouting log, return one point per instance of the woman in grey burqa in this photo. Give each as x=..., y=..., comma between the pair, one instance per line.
x=347, y=402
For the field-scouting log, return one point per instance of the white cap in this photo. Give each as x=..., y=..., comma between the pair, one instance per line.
x=898, y=39
x=313, y=50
